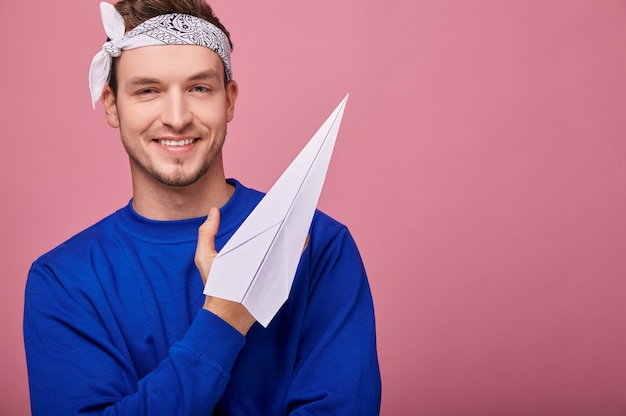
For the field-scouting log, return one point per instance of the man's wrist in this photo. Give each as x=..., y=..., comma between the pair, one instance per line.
x=233, y=313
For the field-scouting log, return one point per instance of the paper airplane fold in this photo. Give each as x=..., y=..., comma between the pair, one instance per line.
x=257, y=265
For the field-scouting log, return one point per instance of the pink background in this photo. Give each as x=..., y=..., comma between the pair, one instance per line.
x=481, y=167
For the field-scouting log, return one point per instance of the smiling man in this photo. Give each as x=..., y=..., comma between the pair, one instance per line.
x=116, y=322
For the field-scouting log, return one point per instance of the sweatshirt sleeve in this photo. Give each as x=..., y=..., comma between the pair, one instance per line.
x=337, y=372
x=74, y=368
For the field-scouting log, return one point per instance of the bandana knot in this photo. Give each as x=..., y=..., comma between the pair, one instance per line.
x=111, y=50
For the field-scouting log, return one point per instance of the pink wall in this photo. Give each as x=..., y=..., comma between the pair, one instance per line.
x=481, y=166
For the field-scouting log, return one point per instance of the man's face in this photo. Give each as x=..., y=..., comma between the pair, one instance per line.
x=172, y=108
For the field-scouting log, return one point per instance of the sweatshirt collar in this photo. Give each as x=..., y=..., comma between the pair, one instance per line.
x=232, y=214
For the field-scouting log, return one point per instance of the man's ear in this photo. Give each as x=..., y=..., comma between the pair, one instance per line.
x=110, y=107
x=232, y=90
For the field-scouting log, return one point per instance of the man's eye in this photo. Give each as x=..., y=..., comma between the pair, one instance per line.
x=200, y=88
x=147, y=91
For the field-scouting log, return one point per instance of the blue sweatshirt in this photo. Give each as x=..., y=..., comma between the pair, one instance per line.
x=114, y=325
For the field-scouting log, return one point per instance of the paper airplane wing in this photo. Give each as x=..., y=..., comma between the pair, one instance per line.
x=257, y=265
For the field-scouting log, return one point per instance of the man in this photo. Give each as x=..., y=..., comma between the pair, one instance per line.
x=115, y=318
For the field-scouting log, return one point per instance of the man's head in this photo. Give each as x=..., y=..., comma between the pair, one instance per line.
x=171, y=95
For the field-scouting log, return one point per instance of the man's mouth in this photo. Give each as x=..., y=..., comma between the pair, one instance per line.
x=175, y=143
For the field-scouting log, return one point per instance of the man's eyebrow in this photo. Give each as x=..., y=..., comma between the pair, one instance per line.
x=139, y=81
x=205, y=75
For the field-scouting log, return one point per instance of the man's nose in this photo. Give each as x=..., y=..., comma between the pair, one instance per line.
x=176, y=112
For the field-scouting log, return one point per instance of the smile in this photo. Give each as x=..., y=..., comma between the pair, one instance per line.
x=176, y=142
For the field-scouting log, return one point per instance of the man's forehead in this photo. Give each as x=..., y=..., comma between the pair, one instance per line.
x=183, y=60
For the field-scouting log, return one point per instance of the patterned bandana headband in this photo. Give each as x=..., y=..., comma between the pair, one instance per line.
x=167, y=29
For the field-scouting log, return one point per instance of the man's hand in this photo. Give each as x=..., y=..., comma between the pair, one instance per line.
x=233, y=313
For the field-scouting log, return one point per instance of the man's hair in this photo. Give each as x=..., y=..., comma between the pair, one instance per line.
x=136, y=12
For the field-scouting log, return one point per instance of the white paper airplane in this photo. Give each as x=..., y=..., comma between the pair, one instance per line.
x=257, y=265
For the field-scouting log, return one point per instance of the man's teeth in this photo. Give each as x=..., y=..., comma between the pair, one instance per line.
x=176, y=142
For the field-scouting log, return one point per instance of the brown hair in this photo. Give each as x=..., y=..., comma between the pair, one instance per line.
x=136, y=12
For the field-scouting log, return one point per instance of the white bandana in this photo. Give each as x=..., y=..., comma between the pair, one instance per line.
x=167, y=29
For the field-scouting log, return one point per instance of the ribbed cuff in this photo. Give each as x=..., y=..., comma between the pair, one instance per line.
x=214, y=339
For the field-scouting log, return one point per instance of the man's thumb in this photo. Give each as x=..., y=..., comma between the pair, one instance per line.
x=205, y=250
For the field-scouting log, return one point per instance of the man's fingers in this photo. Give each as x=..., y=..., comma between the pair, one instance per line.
x=205, y=249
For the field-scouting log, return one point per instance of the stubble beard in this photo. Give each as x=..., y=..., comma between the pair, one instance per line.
x=176, y=180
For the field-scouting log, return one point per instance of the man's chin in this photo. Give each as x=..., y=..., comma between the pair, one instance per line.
x=179, y=180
